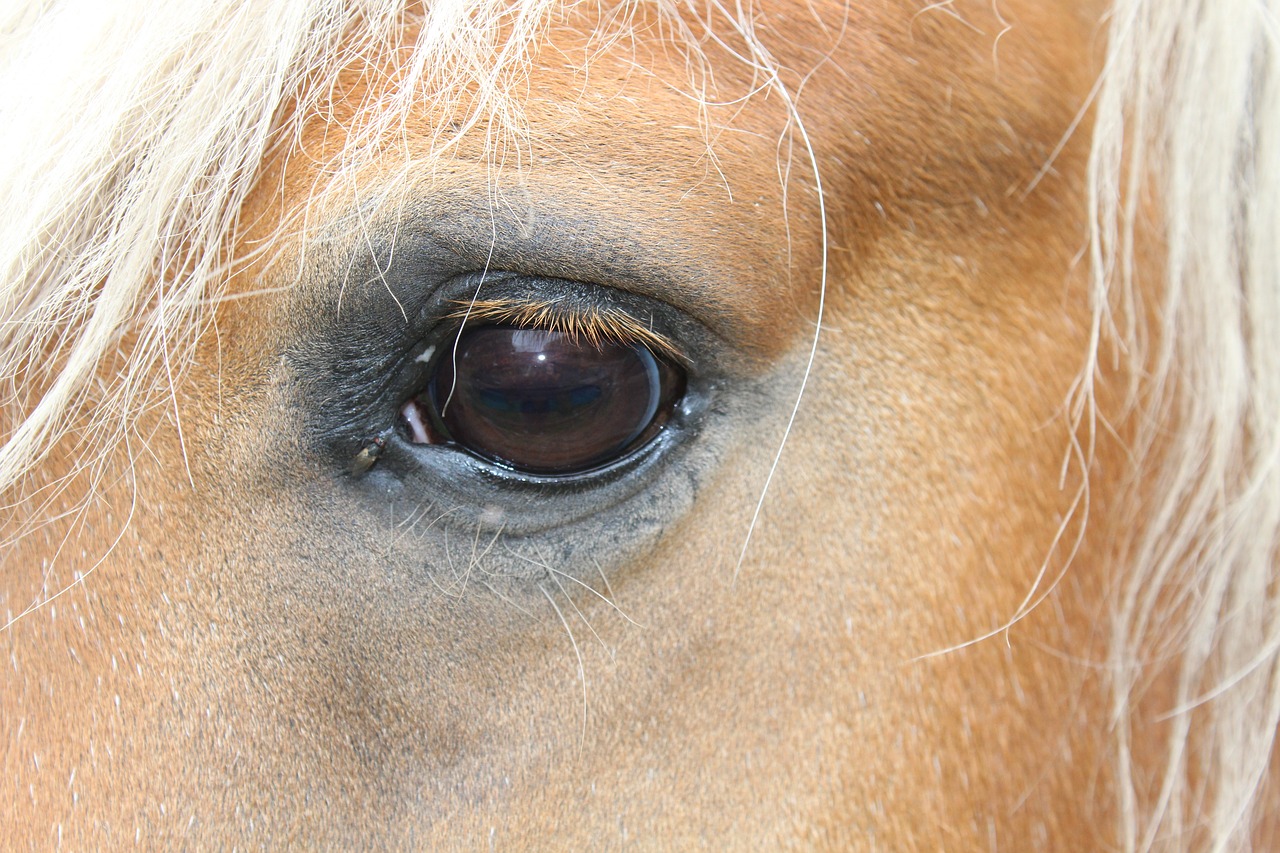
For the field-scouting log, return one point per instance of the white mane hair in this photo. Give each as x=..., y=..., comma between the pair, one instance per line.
x=135, y=131
x=1188, y=113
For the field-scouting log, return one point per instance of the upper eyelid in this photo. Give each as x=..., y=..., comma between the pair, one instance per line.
x=596, y=325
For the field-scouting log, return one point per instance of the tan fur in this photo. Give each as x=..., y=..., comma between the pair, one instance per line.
x=257, y=656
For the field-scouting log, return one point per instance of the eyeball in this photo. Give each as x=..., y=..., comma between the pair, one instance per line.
x=542, y=401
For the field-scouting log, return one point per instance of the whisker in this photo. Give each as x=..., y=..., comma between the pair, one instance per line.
x=582, y=670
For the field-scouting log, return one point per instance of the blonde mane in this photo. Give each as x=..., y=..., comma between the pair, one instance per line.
x=136, y=131
x=140, y=132
x=1188, y=114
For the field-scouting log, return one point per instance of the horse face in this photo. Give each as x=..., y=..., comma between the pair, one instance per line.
x=679, y=643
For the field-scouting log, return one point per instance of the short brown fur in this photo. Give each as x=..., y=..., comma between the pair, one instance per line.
x=261, y=660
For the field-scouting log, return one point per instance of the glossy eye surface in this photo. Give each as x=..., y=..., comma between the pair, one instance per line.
x=543, y=402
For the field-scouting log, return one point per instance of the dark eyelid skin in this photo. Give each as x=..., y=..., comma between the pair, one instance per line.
x=377, y=293
x=348, y=396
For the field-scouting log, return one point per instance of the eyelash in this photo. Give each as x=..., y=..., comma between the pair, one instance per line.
x=597, y=326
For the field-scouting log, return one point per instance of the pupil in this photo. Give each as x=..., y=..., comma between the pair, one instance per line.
x=540, y=402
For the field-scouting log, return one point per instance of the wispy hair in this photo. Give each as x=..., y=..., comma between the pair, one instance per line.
x=1186, y=145
x=133, y=134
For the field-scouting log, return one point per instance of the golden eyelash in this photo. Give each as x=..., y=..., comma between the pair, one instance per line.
x=596, y=326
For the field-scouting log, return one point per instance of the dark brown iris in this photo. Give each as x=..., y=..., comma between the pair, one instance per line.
x=545, y=403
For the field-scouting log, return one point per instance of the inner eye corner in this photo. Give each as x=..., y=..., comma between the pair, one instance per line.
x=541, y=400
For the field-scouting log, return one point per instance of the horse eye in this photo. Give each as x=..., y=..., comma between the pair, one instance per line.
x=543, y=402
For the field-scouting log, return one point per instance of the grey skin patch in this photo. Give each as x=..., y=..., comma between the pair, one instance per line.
x=481, y=534
x=370, y=315
x=436, y=517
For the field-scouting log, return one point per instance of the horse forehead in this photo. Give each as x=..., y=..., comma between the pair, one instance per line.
x=607, y=161
x=696, y=140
